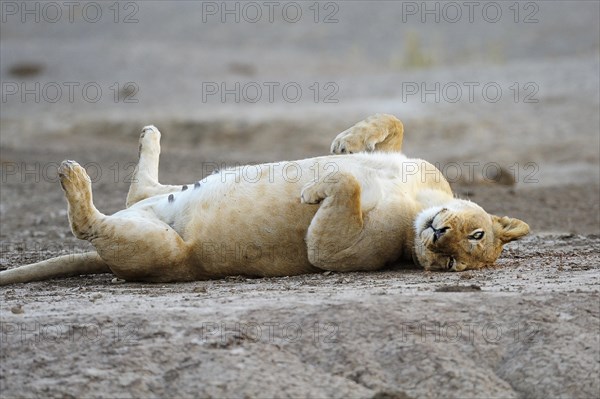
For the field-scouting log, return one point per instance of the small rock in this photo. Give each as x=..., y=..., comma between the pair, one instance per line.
x=25, y=69
x=17, y=309
x=201, y=289
x=95, y=297
x=117, y=280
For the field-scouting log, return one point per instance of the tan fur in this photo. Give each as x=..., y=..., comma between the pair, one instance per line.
x=458, y=249
x=351, y=212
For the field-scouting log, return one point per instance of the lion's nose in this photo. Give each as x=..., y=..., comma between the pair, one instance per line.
x=438, y=233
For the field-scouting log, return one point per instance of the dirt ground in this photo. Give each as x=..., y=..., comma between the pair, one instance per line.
x=527, y=328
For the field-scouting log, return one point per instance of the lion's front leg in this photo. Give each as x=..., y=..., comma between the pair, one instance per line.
x=379, y=132
x=145, y=178
x=337, y=226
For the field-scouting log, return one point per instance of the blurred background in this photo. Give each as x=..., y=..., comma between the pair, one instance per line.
x=503, y=96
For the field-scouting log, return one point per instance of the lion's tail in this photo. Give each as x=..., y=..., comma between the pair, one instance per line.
x=62, y=266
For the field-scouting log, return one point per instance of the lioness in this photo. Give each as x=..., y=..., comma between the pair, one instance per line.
x=358, y=211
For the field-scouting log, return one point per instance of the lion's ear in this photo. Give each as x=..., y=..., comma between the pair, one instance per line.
x=509, y=229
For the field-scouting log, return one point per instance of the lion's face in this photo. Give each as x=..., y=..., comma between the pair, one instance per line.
x=462, y=236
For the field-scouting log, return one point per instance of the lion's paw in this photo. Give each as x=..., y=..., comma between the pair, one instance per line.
x=351, y=141
x=150, y=139
x=150, y=131
x=73, y=177
x=312, y=193
x=381, y=132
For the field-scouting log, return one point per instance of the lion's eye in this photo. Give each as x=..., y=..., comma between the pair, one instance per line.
x=478, y=235
x=450, y=263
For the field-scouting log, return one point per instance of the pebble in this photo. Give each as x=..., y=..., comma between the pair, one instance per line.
x=17, y=309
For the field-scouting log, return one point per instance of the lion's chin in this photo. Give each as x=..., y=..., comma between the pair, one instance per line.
x=421, y=261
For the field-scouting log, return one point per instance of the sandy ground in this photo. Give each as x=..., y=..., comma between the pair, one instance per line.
x=528, y=328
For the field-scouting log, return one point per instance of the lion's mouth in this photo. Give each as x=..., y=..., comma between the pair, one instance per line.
x=429, y=223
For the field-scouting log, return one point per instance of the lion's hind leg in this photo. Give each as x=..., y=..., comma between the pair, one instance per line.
x=144, y=183
x=135, y=244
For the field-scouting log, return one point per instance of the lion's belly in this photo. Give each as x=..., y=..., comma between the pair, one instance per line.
x=252, y=234
x=248, y=221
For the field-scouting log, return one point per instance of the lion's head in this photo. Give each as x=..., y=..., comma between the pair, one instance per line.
x=462, y=236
